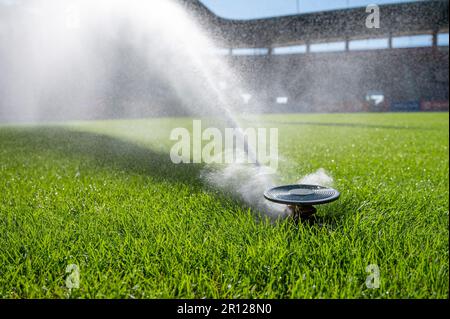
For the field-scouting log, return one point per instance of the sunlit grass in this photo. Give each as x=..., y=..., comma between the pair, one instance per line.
x=105, y=196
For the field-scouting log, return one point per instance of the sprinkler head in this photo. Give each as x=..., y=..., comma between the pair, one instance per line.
x=300, y=198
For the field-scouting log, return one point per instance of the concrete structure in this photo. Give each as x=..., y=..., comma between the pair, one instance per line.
x=343, y=79
x=420, y=17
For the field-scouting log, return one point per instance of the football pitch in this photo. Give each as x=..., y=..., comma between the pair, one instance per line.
x=105, y=196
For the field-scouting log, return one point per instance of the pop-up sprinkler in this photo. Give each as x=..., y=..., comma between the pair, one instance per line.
x=300, y=198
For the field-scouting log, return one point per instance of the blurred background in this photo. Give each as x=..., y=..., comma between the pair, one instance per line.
x=291, y=55
x=319, y=56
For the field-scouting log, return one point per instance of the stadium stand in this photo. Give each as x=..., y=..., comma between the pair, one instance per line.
x=315, y=62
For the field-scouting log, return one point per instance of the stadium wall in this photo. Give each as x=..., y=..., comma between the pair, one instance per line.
x=409, y=79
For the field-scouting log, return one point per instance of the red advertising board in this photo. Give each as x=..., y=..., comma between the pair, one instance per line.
x=434, y=106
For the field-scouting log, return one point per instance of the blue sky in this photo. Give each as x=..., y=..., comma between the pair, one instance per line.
x=250, y=9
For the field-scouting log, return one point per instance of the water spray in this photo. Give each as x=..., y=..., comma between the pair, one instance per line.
x=59, y=70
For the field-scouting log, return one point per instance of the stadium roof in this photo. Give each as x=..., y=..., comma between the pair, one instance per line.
x=256, y=9
x=395, y=19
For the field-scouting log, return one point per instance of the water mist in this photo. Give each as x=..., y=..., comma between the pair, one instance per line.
x=65, y=60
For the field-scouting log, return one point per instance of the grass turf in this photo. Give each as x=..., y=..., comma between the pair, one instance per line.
x=105, y=196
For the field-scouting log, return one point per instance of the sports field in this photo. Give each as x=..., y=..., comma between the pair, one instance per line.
x=105, y=196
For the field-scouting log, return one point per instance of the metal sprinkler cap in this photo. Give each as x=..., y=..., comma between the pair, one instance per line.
x=301, y=195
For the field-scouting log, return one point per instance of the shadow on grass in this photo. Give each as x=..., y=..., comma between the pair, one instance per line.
x=96, y=151
x=101, y=151
x=107, y=152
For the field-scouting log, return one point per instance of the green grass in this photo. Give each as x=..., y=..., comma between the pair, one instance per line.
x=105, y=196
